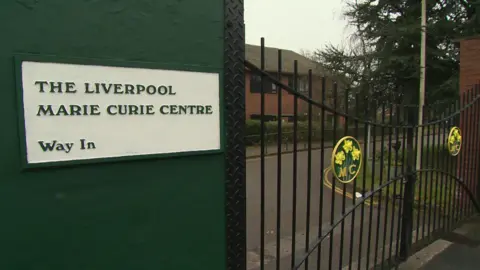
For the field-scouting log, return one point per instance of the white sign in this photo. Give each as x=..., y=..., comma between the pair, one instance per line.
x=79, y=112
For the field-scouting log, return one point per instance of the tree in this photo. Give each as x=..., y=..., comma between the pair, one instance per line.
x=354, y=65
x=384, y=60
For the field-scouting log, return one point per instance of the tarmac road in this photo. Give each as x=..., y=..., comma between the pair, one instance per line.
x=320, y=215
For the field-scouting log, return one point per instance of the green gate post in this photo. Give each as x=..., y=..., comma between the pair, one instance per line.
x=83, y=186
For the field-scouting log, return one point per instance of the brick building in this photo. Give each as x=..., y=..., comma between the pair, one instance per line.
x=469, y=79
x=469, y=62
x=253, y=84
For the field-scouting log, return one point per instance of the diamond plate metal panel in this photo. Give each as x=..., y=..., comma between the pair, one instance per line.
x=234, y=87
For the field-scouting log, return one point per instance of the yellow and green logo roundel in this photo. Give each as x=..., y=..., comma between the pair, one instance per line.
x=454, y=141
x=346, y=159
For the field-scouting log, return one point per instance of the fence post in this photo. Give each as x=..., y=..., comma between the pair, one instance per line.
x=369, y=139
x=407, y=215
x=477, y=150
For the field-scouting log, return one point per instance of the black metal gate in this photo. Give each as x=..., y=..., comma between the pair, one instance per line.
x=360, y=191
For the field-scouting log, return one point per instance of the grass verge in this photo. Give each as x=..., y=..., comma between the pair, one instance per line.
x=432, y=189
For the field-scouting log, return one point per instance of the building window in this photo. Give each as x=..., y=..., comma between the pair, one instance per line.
x=290, y=81
x=266, y=117
x=302, y=84
x=256, y=85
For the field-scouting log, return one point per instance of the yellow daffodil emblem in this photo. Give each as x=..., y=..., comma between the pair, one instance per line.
x=346, y=159
x=347, y=146
x=451, y=139
x=454, y=141
x=356, y=153
x=340, y=158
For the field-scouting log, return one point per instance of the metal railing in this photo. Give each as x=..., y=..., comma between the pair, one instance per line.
x=303, y=215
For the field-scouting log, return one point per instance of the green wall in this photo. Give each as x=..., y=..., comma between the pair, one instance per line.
x=149, y=214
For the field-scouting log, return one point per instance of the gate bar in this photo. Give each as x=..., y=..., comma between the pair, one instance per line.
x=407, y=220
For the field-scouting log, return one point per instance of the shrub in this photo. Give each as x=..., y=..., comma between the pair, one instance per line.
x=253, y=128
x=432, y=156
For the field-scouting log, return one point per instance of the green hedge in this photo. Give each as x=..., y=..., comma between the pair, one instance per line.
x=253, y=128
x=431, y=155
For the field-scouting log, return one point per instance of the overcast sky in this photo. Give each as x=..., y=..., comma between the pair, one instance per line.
x=295, y=25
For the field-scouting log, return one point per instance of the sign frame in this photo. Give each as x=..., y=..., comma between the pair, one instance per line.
x=20, y=58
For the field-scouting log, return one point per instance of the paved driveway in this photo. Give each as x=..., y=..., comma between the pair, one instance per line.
x=322, y=210
x=321, y=213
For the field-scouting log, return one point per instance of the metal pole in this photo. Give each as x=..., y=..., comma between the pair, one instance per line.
x=421, y=93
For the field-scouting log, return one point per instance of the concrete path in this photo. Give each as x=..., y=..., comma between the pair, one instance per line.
x=458, y=250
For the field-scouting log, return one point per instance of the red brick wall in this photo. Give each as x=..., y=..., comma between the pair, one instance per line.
x=469, y=63
x=252, y=100
x=469, y=76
